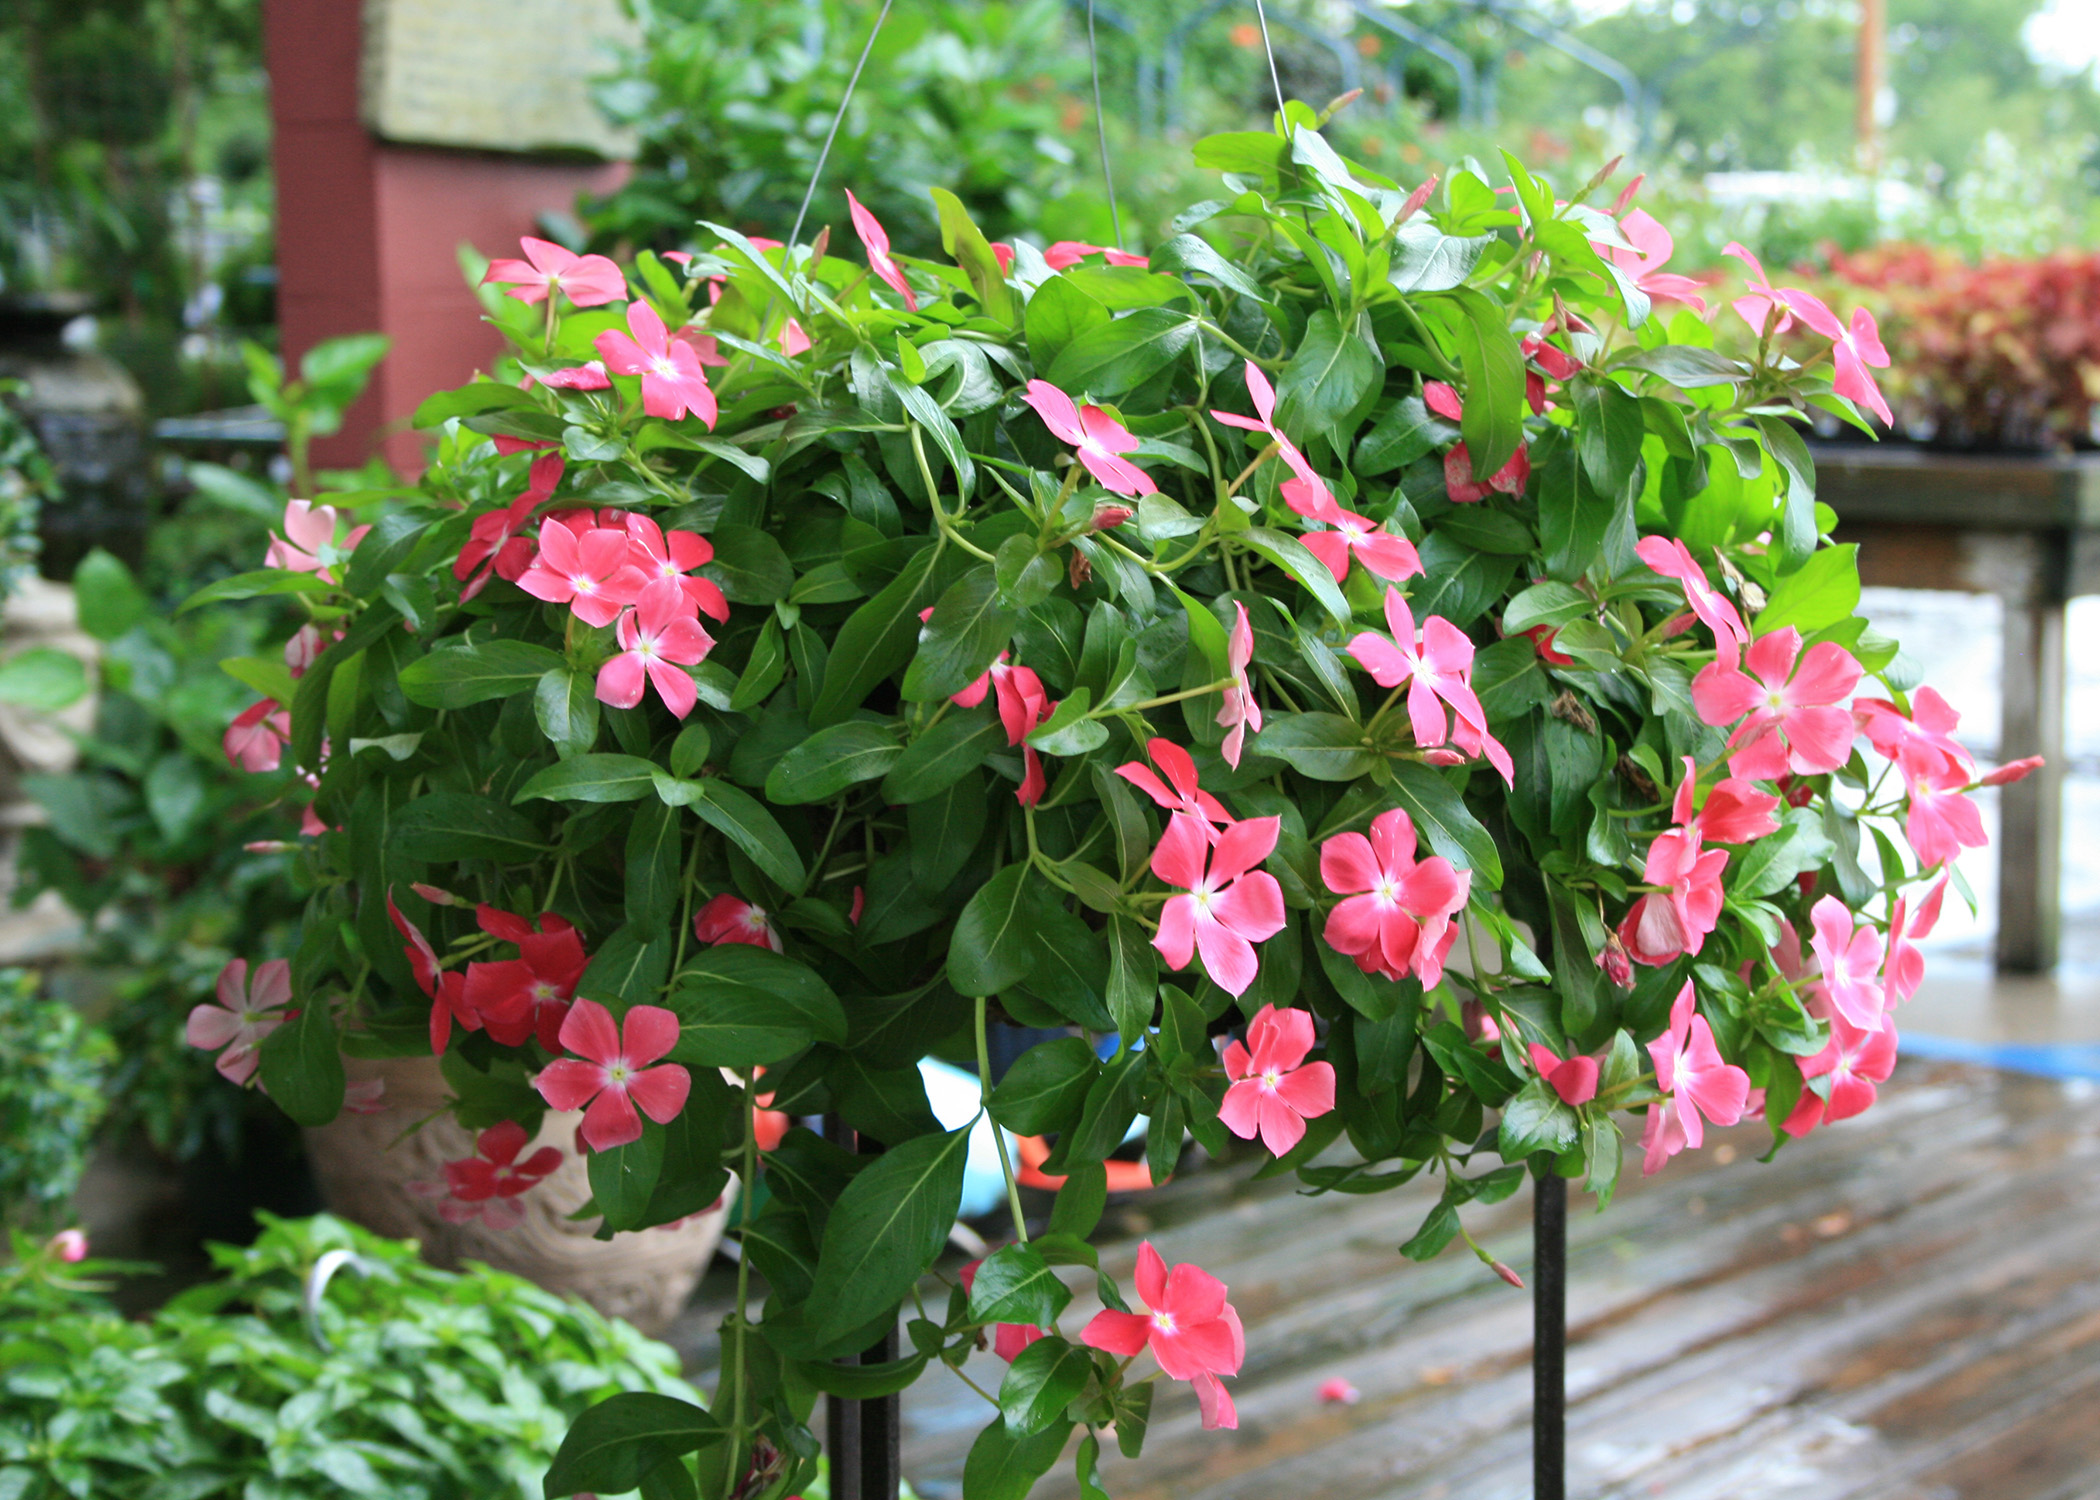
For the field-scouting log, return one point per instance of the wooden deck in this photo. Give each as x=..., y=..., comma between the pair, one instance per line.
x=1906, y=1307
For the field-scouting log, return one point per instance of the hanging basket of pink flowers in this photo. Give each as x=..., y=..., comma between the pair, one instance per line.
x=1370, y=675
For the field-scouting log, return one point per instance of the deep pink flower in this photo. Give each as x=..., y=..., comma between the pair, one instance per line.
x=1906, y=967
x=673, y=383
x=1574, y=1078
x=1437, y=667
x=726, y=919
x=246, y=1013
x=1397, y=918
x=588, y=376
x=1689, y=1069
x=1922, y=740
x=1239, y=712
x=1274, y=1089
x=309, y=542
x=1735, y=812
x=1189, y=1326
x=1787, y=702
x=1460, y=482
x=1677, y=919
x=667, y=559
x=255, y=740
x=876, y=239
x=588, y=568
x=1022, y=706
x=1008, y=1339
x=1099, y=438
x=1179, y=792
x=611, y=1072
x=1386, y=556
x=526, y=996
x=586, y=280
x=1551, y=358
x=1671, y=558
x=497, y=533
x=487, y=1185
x=1542, y=638
x=1336, y=1391
x=1764, y=299
x=447, y=989
x=1071, y=252
x=1316, y=499
x=1852, y=350
x=2015, y=770
x=1851, y=960
x=1644, y=263
x=1855, y=1060
x=658, y=639
x=1228, y=907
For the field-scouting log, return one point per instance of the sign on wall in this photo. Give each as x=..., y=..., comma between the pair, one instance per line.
x=493, y=75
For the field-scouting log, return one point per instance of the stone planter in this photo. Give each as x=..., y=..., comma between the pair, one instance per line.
x=364, y=1164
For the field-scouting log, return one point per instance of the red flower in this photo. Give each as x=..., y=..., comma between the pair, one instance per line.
x=1574, y=1078
x=528, y=995
x=1460, y=482
x=612, y=1074
x=447, y=989
x=729, y=920
x=876, y=241
x=486, y=1185
x=494, y=544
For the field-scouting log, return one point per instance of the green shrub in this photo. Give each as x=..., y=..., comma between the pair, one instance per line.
x=53, y=1066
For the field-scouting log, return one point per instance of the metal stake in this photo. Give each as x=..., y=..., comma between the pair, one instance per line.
x=1549, y=1338
x=864, y=1439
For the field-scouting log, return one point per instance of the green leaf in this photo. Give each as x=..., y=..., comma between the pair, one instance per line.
x=875, y=641
x=449, y=826
x=1546, y=604
x=1796, y=532
x=1290, y=554
x=1016, y=1285
x=1068, y=731
x=1685, y=365
x=1608, y=433
x=994, y=943
x=1045, y=1087
x=740, y=1006
x=968, y=628
x=302, y=1067
x=614, y=1444
x=885, y=1230
x=763, y=669
x=744, y=821
x=107, y=596
x=942, y=756
x=592, y=778
x=1536, y=1120
x=1326, y=747
x=1116, y=357
x=861, y=1382
x=749, y=565
x=1327, y=379
x=1823, y=592
x=458, y=676
x=254, y=586
x=962, y=239
x=1440, y=814
x=470, y=400
x=1408, y=431
x=623, y=1179
x=566, y=705
x=43, y=678
x=831, y=760
x=1429, y=260
x=1002, y=1466
x=1488, y=353
x=1043, y=1380
x=1190, y=255
x=629, y=968
x=1059, y=312
x=654, y=848
x=384, y=550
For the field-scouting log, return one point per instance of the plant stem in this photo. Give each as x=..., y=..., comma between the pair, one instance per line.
x=743, y=1279
x=984, y=1087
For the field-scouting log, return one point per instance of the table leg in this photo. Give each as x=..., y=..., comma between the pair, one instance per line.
x=2031, y=811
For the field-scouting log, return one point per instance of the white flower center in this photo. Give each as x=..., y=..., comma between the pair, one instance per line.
x=1163, y=1322
x=1271, y=1078
x=616, y=1072
x=663, y=367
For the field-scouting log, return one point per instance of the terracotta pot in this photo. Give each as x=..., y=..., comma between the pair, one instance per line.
x=364, y=1164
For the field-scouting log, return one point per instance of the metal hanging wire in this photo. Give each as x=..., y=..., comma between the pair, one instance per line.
x=1108, y=177
x=1261, y=14
x=837, y=119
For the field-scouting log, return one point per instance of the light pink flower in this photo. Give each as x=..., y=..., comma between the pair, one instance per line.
x=1239, y=712
x=1689, y=1068
x=1229, y=907
x=1671, y=558
x=1179, y=792
x=1644, y=263
x=1189, y=1326
x=1787, y=702
x=365, y=1096
x=1070, y=252
x=611, y=1072
x=673, y=383
x=1099, y=438
x=309, y=542
x=1437, y=666
x=255, y=740
x=876, y=239
x=793, y=340
x=1335, y=1390
x=305, y=648
x=1274, y=1089
x=2015, y=770
x=1851, y=960
x=1764, y=299
x=588, y=376
x=1855, y=1060
x=246, y=1013
x=586, y=280
x=69, y=1245
x=667, y=559
x=589, y=568
x=1852, y=350
x=1941, y=821
x=1396, y=919
x=1661, y=925
x=1386, y=556
x=657, y=639
x=726, y=919
x=1906, y=967
x=1008, y=1339
x=1573, y=1078
x=1315, y=499
x=1461, y=484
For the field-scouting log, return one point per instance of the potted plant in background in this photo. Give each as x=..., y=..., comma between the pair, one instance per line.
x=833, y=657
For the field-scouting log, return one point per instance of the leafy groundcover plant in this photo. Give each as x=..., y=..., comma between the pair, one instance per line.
x=816, y=660
x=430, y=1385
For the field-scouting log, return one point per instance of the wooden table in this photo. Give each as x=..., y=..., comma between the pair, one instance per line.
x=2027, y=529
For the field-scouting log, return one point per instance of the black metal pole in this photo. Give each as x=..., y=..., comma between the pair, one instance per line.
x=863, y=1438
x=1549, y=1338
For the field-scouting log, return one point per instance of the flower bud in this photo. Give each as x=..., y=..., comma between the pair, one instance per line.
x=2018, y=770
x=435, y=895
x=1108, y=517
x=69, y=1245
x=1081, y=570
x=1507, y=1275
x=1615, y=962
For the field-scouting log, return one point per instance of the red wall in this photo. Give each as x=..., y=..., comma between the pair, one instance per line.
x=367, y=232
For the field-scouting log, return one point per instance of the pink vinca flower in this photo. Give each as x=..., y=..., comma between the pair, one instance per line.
x=1071, y=252
x=1851, y=960
x=1923, y=739
x=1941, y=821
x=69, y=1245
x=1573, y=1078
x=1022, y=706
x=1274, y=1089
x=255, y=740
x=1736, y=811
x=588, y=376
x=447, y=989
x=526, y=996
x=585, y=567
x=1672, y=559
x=1437, y=667
x=1644, y=264
x=726, y=919
x=1764, y=301
x=1229, y=906
x=309, y=542
x=1852, y=350
x=1099, y=438
x=1239, y=712
x=1662, y=925
x=586, y=280
x=876, y=240
x=1787, y=701
x=1906, y=968
x=1313, y=498
x=1461, y=484
x=1383, y=555
x=1396, y=919
x=658, y=640
x=673, y=384
x=1008, y=1339
x=487, y=1185
x=1179, y=792
x=1854, y=1060
x=1188, y=1325
x=1690, y=1071
x=496, y=538
x=1337, y=1391
x=611, y=1072
x=305, y=648
x=667, y=561
x=246, y=1013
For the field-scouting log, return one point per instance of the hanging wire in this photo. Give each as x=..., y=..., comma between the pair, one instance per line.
x=852, y=83
x=1275, y=83
x=1108, y=178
